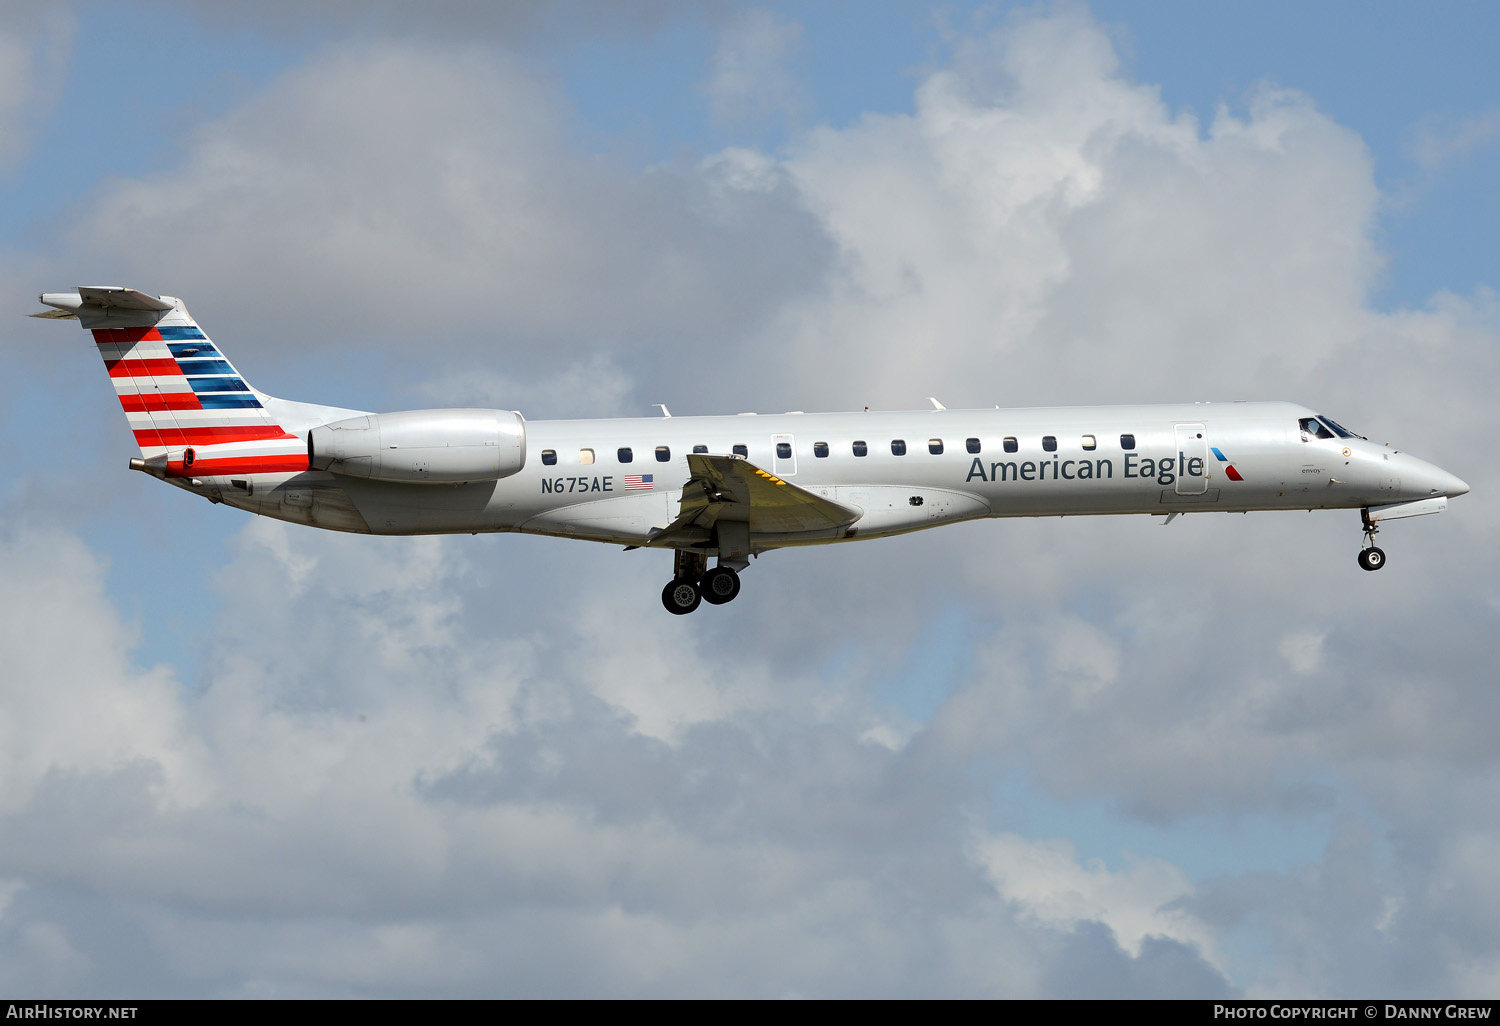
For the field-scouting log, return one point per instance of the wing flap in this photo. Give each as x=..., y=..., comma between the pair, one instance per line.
x=732, y=488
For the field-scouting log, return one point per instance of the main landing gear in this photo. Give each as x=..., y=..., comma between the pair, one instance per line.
x=692, y=582
x=1371, y=557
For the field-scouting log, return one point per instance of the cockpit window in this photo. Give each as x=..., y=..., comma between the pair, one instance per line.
x=1313, y=428
x=1338, y=428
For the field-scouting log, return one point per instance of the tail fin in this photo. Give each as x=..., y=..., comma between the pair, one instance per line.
x=192, y=413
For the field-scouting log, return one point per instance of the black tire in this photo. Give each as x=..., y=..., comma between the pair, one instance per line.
x=720, y=585
x=1372, y=558
x=681, y=596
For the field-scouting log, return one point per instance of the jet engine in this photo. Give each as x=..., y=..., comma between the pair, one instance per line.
x=422, y=446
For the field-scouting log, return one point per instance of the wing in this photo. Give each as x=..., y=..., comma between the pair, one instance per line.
x=733, y=488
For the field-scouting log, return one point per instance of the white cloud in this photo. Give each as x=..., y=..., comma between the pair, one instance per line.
x=1043, y=230
x=389, y=800
x=1046, y=880
x=751, y=81
x=434, y=191
x=1437, y=146
x=590, y=386
x=1303, y=651
x=34, y=50
x=71, y=704
x=531, y=23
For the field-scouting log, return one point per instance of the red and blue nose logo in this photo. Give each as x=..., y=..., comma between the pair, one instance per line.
x=1229, y=471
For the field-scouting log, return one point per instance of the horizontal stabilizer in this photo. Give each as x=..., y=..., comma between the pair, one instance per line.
x=106, y=306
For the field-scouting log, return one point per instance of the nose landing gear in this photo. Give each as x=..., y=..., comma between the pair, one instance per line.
x=1371, y=557
x=692, y=583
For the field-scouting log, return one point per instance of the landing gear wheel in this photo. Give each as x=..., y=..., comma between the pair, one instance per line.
x=720, y=585
x=1372, y=558
x=681, y=596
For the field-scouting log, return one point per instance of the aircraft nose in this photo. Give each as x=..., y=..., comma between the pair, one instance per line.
x=1437, y=481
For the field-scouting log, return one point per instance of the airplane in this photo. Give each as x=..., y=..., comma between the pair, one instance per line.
x=727, y=487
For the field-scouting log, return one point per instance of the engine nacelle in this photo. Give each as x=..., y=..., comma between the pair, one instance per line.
x=422, y=446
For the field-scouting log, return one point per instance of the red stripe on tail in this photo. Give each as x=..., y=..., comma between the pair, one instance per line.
x=210, y=435
x=239, y=465
x=124, y=336
x=142, y=368
x=155, y=402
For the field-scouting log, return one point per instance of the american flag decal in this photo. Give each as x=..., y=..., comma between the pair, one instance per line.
x=638, y=482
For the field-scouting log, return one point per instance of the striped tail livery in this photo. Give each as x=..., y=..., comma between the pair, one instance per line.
x=191, y=412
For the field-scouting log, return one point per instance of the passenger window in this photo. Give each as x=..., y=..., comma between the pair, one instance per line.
x=935, y=446
x=663, y=454
x=1090, y=443
x=783, y=450
x=860, y=449
x=585, y=456
x=701, y=450
x=1049, y=443
x=820, y=449
x=1010, y=445
x=1127, y=442
x=972, y=444
x=742, y=450
x=549, y=457
x=898, y=447
x=625, y=455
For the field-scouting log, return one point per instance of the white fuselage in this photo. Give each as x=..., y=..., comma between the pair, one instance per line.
x=621, y=480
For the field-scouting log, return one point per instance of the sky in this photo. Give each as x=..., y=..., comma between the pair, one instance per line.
x=1032, y=758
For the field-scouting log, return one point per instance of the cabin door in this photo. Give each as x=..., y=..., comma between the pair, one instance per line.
x=1191, y=446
